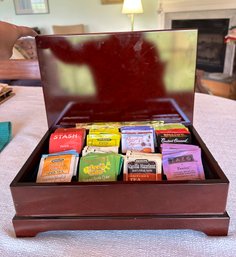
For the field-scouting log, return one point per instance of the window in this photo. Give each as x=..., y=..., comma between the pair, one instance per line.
x=31, y=6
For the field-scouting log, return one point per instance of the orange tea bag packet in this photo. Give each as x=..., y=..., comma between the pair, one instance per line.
x=57, y=168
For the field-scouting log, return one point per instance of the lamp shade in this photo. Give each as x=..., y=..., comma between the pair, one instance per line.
x=132, y=6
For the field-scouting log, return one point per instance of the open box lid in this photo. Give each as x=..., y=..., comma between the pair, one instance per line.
x=122, y=76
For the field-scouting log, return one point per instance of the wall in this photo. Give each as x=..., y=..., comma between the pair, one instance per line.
x=193, y=5
x=92, y=13
x=201, y=9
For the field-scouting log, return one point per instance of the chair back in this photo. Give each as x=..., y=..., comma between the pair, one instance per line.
x=68, y=29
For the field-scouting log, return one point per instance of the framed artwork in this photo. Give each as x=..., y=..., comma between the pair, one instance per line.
x=31, y=6
x=111, y=1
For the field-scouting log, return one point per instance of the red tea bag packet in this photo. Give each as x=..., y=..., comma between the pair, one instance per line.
x=64, y=139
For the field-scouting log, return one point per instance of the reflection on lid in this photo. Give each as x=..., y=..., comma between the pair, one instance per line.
x=128, y=72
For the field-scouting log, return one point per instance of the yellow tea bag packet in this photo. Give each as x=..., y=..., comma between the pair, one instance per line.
x=118, y=124
x=97, y=125
x=104, y=130
x=103, y=136
x=56, y=168
x=103, y=139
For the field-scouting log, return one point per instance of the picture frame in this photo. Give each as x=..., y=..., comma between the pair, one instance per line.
x=111, y=1
x=31, y=7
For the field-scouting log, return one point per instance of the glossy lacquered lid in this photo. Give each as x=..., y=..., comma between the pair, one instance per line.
x=122, y=76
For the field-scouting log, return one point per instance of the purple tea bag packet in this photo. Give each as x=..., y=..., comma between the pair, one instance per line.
x=139, y=138
x=135, y=128
x=182, y=171
x=179, y=146
x=189, y=162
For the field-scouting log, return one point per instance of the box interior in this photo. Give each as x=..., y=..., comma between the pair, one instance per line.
x=30, y=173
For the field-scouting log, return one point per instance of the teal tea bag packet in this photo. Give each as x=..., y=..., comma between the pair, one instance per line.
x=5, y=134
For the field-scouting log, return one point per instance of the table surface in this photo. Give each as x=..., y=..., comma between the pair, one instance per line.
x=215, y=121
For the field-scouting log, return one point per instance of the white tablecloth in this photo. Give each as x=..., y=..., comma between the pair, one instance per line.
x=215, y=121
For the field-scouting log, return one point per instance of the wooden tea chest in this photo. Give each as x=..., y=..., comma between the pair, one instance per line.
x=129, y=76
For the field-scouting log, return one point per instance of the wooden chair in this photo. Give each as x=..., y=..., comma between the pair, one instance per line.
x=68, y=29
x=19, y=70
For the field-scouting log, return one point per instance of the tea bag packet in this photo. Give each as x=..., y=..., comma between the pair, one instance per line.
x=67, y=139
x=103, y=136
x=170, y=148
x=100, y=167
x=167, y=126
x=97, y=125
x=182, y=163
x=76, y=154
x=97, y=149
x=175, y=133
x=138, y=138
x=142, y=123
x=104, y=130
x=55, y=168
x=118, y=124
x=140, y=166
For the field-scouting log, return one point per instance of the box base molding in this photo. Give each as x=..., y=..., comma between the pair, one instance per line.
x=211, y=225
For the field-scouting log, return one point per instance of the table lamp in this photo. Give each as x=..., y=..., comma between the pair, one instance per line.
x=132, y=7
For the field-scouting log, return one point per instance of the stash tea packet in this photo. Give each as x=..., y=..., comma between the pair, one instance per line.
x=64, y=139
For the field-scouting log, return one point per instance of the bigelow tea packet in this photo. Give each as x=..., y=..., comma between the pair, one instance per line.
x=182, y=162
x=103, y=136
x=64, y=139
x=175, y=133
x=99, y=149
x=137, y=138
x=140, y=166
x=59, y=167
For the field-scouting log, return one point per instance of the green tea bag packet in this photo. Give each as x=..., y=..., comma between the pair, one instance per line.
x=99, y=167
x=167, y=126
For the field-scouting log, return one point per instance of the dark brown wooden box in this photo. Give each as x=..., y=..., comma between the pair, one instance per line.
x=198, y=205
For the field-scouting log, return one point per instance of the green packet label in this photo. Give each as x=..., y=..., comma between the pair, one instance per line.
x=167, y=126
x=96, y=167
